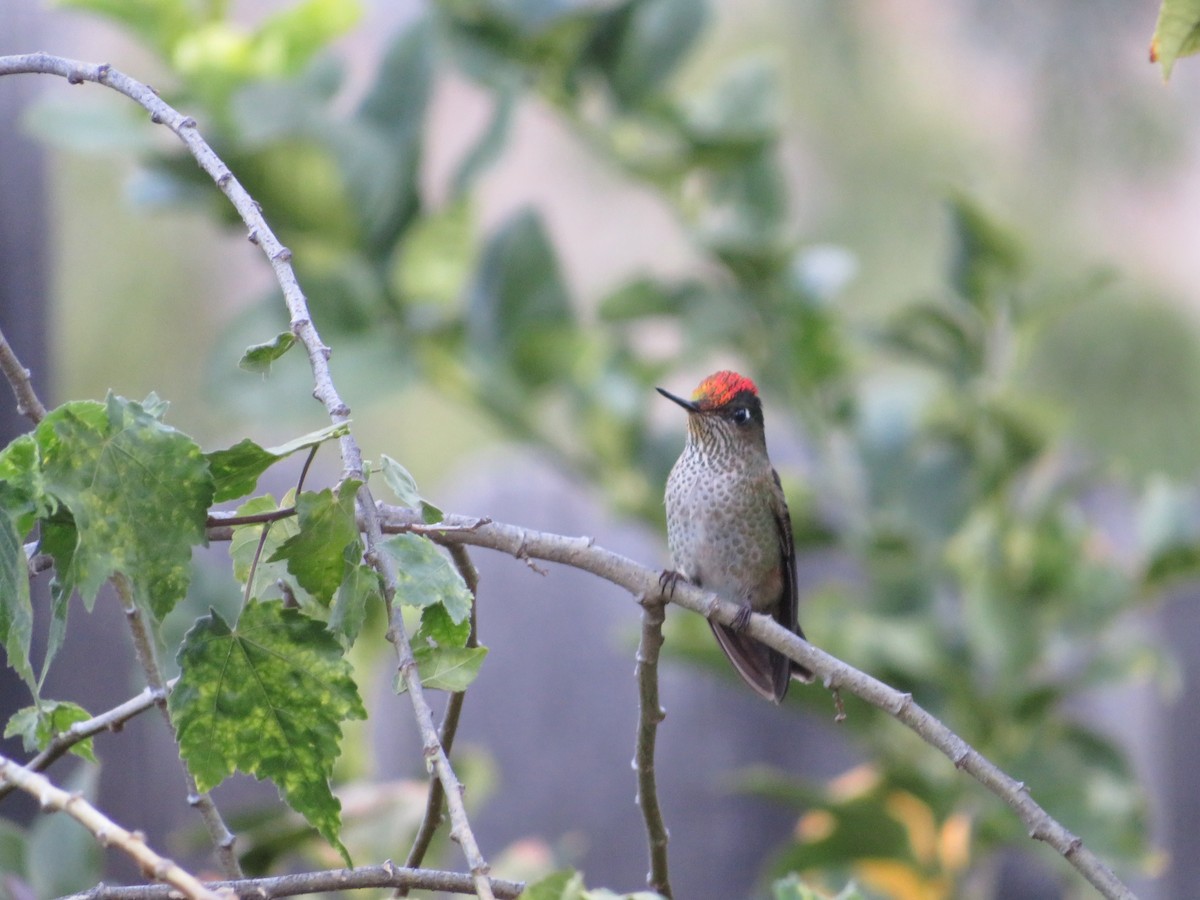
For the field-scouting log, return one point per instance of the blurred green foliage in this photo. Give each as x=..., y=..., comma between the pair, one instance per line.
x=939, y=465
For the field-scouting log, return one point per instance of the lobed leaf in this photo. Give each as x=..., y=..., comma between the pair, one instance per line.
x=133, y=496
x=267, y=697
x=37, y=726
x=316, y=554
x=426, y=577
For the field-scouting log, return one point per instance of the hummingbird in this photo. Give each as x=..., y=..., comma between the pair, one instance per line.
x=728, y=526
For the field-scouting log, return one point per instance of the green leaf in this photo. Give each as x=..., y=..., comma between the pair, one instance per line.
x=563, y=885
x=400, y=480
x=438, y=629
x=286, y=41
x=489, y=146
x=518, y=309
x=258, y=357
x=445, y=668
x=22, y=493
x=380, y=153
x=644, y=42
x=316, y=554
x=37, y=726
x=267, y=697
x=647, y=297
x=793, y=887
x=985, y=257
x=426, y=577
x=244, y=544
x=359, y=588
x=16, y=611
x=137, y=493
x=740, y=113
x=236, y=471
x=435, y=261
x=1176, y=34
x=160, y=23
x=404, y=486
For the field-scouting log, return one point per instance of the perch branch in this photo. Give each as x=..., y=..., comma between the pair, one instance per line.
x=386, y=875
x=581, y=553
x=260, y=234
x=106, y=831
x=650, y=714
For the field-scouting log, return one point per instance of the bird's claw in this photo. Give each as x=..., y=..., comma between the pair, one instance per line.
x=667, y=581
x=741, y=621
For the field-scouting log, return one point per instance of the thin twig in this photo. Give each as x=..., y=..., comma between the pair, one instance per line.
x=385, y=875
x=433, y=804
x=143, y=643
x=260, y=234
x=581, y=553
x=112, y=720
x=17, y=375
x=106, y=831
x=650, y=714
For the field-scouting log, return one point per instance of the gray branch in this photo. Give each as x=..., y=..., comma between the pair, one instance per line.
x=386, y=875
x=650, y=714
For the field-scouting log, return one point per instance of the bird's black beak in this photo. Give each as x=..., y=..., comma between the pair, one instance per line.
x=686, y=404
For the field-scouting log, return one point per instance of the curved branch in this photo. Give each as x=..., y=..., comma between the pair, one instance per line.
x=582, y=553
x=387, y=875
x=106, y=831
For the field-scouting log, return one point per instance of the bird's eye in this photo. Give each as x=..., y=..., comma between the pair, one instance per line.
x=741, y=416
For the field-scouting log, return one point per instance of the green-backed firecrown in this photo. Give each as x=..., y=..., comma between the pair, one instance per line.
x=728, y=525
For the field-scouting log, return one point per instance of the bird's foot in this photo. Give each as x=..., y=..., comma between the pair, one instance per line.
x=742, y=620
x=667, y=581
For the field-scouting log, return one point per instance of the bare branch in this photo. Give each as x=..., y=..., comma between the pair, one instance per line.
x=106, y=831
x=386, y=875
x=650, y=714
x=581, y=553
x=17, y=375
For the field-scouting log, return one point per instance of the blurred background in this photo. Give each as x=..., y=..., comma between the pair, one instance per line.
x=954, y=244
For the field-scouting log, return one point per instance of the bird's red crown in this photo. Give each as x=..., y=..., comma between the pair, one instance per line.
x=720, y=388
